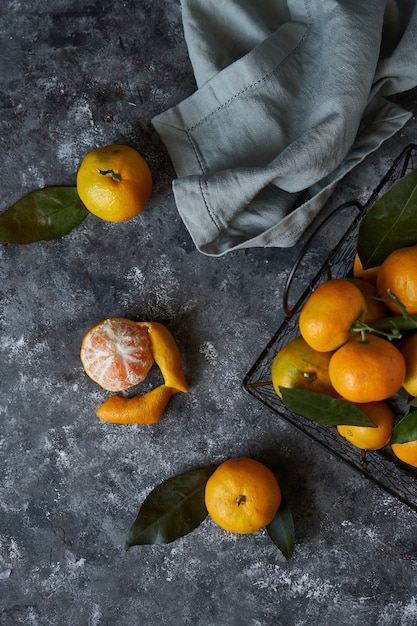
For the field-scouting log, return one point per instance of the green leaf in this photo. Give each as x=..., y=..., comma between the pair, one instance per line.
x=281, y=530
x=391, y=223
x=44, y=214
x=173, y=509
x=323, y=409
x=406, y=429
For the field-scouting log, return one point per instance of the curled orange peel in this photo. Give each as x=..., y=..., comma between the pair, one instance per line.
x=145, y=409
x=149, y=407
x=166, y=355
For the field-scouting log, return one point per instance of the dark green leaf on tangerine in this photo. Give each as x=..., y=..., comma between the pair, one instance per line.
x=406, y=429
x=173, y=509
x=281, y=530
x=391, y=223
x=323, y=409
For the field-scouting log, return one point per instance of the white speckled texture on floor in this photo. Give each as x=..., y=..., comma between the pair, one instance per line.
x=74, y=76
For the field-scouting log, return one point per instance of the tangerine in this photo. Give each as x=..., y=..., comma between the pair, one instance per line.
x=398, y=275
x=409, y=352
x=114, y=182
x=367, y=370
x=299, y=366
x=367, y=437
x=375, y=307
x=406, y=452
x=329, y=312
x=242, y=495
x=117, y=353
x=365, y=274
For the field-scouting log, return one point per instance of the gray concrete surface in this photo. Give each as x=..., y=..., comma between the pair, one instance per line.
x=74, y=76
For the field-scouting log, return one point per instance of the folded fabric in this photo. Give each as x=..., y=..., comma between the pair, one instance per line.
x=290, y=97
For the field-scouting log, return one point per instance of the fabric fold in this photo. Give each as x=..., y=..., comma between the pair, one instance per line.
x=286, y=105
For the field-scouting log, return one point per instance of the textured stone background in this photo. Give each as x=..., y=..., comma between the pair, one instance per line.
x=77, y=75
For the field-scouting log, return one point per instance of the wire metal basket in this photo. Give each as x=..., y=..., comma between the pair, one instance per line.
x=381, y=466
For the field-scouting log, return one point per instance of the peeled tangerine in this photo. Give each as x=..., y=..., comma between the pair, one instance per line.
x=118, y=353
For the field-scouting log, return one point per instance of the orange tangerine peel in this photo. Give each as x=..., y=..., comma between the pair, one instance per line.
x=145, y=409
x=166, y=355
x=121, y=343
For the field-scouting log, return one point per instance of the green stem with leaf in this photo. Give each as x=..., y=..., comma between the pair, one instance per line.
x=389, y=327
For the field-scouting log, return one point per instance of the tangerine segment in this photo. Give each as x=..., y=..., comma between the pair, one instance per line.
x=117, y=353
x=406, y=452
x=329, y=312
x=298, y=366
x=367, y=371
x=166, y=354
x=242, y=495
x=366, y=437
x=398, y=274
x=145, y=409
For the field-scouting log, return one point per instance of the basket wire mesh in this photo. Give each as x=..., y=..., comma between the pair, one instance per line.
x=381, y=466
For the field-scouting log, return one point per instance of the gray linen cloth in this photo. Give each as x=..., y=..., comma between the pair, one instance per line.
x=290, y=97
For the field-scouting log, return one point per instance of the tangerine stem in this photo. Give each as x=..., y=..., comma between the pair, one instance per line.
x=112, y=173
x=363, y=335
x=240, y=500
x=310, y=376
x=399, y=304
x=387, y=327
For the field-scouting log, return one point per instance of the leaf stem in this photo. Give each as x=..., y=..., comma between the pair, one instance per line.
x=399, y=304
x=390, y=327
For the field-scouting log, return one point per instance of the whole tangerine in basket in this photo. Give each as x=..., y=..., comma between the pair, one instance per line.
x=409, y=351
x=114, y=182
x=368, y=437
x=242, y=495
x=329, y=313
x=406, y=452
x=398, y=275
x=367, y=370
x=369, y=274
x=298, y=366
x=375, y=307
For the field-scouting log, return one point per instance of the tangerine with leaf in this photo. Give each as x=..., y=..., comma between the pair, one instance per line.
x=297, y=365
x=368, y=437
x=242, y=495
